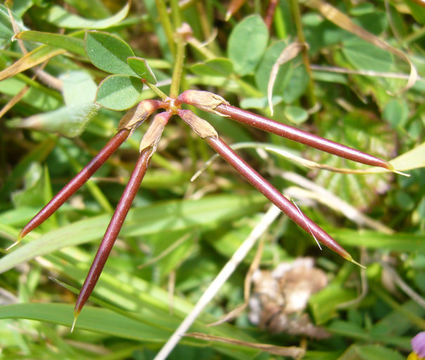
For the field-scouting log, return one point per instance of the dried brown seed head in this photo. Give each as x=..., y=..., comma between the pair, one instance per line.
x=154, y=132
x=135, y=116
x=200, y=126
x=203, y=100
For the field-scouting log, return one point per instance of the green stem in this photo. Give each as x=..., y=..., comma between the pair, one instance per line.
x=157, y=91
x=175, y=12
x=166, y=24
x=178, y=68
x=295, y=8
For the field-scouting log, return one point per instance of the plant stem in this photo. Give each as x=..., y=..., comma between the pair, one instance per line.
x=270, y=13
x=178, y=68
x=113, y=230
x=166, y=24
x=76, y=182
x=175, y=12
x=157, y=91
x=275, y=196
x=295, y=7
x=298, y=135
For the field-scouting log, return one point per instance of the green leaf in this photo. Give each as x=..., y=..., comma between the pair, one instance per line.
x=262, y=75
x=119, y=92
x=146, y=328
x=360, y=131
x=324, y=304
x=66, y=42
x=296, y=83
x=6, y=30
x=412, y=159
x=396, y=112
x=61, y=18
x=39, y=153
x=36, y=98
x=375, y=240
x=370, y=352
x=160, y=217
x=32, y=194
x=296, y=114
x=416, y=10
x=78, y=88
x=108, y=52
x=92, y=319
x=67, y=121
x=142, y=68
x=365, y=56
x=31, y=59
x=247, y=43
x=213, y=67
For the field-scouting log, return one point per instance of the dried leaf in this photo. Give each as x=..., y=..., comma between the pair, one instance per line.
x=290, y=52
x=343, y=21
x=29, y=60
x=291, y=351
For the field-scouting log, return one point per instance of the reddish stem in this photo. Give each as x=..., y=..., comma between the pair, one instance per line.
x=76, y=182
x=298, y=135
x=234, y=6
x=113, y=229
x=270, y=13
x=269, y=191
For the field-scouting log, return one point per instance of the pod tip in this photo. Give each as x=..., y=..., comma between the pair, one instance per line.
x=76, y=313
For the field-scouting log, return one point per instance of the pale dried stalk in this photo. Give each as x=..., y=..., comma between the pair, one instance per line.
x=218, y=282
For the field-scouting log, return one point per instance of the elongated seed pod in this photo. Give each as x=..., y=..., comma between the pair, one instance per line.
x=300, y=136
x=260, y=183
x=150, y=140
x=113, y=230
x=275, y=196
x=211, y=102
x=137, y=115
x=76, y=182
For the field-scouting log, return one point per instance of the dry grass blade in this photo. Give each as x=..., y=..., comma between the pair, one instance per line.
x=290, y=52
x=247, y=287
x=291, y=351
x=219, y=280
x=29, y=60
x=343, y=21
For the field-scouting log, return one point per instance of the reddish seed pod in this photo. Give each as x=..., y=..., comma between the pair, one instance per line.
x=210, y=102
x=298, y=135
x=136, y=116
x=200, y=126
x=113, y=230
x=275, y=196
x=204, y=100
x=150, y=141
x=76, y=182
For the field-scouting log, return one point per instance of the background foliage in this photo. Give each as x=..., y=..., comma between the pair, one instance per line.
x=349, y=91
